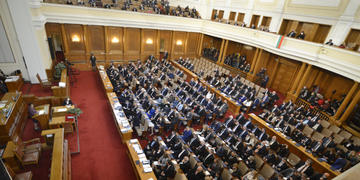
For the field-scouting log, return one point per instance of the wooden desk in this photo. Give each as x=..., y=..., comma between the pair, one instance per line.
x=300, y=151
x=64, y=90
x=61, y=156
x=44, y=117
x=10, y=158
x=13, y=122
x=125, y=133
x=138, y=168
x=233, y=106
x=105, y=79
x=14, y=83
x=60, y=110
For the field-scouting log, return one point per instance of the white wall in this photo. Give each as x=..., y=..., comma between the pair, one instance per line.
x=28, y=38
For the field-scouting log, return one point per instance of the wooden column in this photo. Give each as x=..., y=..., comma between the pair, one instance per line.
x=157, y=43
x=346, y=100
x=224, y=52
x=86, y=43
x=253, y=62
x=303, y=80
x=272, y=77
x=186, y=44
x=64, y=39
x=141, y=44
x=107, y=49
x=349, y=109
x=297, y=79
x=312, y=34
x=258, y=59
x=172, y=45
x=200, y=45
x=221, y=51
x=123, y=45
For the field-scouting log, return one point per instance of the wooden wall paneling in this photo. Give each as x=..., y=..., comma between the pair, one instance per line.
x=284, y=27
x=166, y=39
x=338, y=83
x=254, y=20
x=221, y=14
x=192, y=44
x=77, y=49
x=292, y=26
x=311, y=78
x=65, y=40
x=95, y=42
x=157, y=43
x=201, y=36
x=172, y=45
x=214, y=11
x=106, y=42
x=266, y=21
x=232, y=16
x=178, y=49
x=233, y=47
x=186, y=44
x=322, y=33
x=240, y=17
x=116, y=50
x=132, y=44
x=148, y=49
x=285, y=75
x=249, y=52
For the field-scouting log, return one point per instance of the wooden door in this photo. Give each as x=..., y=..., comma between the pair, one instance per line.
x=284, y=76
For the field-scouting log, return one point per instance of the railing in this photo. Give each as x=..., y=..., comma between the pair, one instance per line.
x=314, y=110
x=334, y=59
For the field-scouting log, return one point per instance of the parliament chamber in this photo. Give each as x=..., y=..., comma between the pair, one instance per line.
x=180, y=89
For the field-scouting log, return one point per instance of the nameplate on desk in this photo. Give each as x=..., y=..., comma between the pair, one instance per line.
x=62, y=110
x=62, y=84
x=41, y=112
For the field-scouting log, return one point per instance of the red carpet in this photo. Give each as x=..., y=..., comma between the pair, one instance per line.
x=102, y=155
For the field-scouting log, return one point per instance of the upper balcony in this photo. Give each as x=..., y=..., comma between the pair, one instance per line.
x=343, y=62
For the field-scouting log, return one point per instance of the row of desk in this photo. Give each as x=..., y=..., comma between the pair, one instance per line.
x=123, y=126
x=234, y=107
x=14, y=83
x=105, y=79
x=63, y=88
x=121, y=121
x=298, y=150
x=61, y=156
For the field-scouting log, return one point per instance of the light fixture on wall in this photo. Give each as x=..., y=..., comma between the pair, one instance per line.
x=115, y=40
x=75, y=38
x=149, y=41
x=179, y=42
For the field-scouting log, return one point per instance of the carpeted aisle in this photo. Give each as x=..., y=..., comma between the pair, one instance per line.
x=102, y=155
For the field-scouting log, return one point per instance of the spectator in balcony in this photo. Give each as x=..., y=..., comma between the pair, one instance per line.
x=330, y=42
x=107, y=6
x=80, y=2
x=291, y=34
x=69, y=2
x=301, y=35
x=253, y=26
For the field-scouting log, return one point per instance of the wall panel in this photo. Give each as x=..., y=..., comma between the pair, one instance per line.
x=192, y=44
x=132, y=44
x=115, y=49
x=178, y=49
x=150, y=36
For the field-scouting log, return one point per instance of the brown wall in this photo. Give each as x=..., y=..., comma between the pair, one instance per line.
x=131, y=43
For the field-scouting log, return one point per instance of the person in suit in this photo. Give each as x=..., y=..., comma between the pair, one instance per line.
x=185, y=165
x=93, y=61
x=197, y=174
x=168, y=172
x=320, y=176
x=339, y=163
x=186, y=134
x=282, y=165
x=291, y=34
x=301, y=35
x=273, y=143
x=209, y=158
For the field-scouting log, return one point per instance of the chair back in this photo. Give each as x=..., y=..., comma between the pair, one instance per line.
x=258, y=161
x=326, y=132
x=317, y=136
x=334, y=129
x=19, y=153
x=225, y=175
x=39, y=79
x=293, y=159
x=324, y=124
x=243, y=168
x=345, y=134
x=308, y=130
x=267, y=171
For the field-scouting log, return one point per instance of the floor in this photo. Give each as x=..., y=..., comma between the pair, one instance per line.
x=102, y=155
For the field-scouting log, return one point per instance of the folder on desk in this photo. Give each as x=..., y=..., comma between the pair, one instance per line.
x=297, y=144
x=41, y=112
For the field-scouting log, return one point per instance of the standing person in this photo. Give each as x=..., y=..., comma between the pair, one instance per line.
x=33, y=112
x=93, y=61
